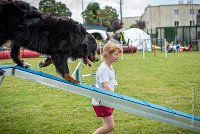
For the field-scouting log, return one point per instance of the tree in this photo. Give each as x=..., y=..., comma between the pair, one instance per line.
x=112, y=12
x=141, y=24
x=103, y=17
x=51, y=6
x=110, y=17
x=62, y=9
x=116, y=25
x=90, y=14
x=94, y=15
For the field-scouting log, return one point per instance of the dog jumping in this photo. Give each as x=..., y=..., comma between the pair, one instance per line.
x=56, y=36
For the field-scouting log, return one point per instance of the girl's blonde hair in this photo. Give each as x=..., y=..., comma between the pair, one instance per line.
x=110, y=48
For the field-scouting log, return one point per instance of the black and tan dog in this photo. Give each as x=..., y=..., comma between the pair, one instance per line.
x=56, y=36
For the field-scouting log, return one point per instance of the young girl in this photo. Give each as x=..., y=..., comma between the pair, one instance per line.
x=105, y=79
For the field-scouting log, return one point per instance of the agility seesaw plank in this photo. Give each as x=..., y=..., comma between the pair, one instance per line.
x=115, y=100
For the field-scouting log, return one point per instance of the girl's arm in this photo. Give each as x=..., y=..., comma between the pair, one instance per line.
x=106, y=86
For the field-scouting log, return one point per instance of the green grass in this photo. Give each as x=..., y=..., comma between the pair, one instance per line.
x=32, y=108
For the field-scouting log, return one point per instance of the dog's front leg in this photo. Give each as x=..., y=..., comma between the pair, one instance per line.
x=69, y=78
x=61, y=65
x=45, y=62
x=15, y=55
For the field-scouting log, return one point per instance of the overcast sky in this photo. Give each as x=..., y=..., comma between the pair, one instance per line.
x=129, y=7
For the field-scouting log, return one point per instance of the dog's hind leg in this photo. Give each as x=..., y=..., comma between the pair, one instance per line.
x=60, y=62
x=15, y=55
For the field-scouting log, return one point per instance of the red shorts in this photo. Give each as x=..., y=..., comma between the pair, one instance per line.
x=103, y=111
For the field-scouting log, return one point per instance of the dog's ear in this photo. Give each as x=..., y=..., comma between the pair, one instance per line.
x=90, y=44
x=80, y=28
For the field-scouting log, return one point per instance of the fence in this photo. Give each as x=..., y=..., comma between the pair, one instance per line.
x=184, y=35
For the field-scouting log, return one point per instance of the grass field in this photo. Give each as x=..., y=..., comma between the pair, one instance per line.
x=32, y=108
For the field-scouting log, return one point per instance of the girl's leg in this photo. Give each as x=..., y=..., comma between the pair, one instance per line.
x=108, y=125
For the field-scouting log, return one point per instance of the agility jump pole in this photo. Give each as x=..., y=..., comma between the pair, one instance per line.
x=78, y=73
x=115, y=100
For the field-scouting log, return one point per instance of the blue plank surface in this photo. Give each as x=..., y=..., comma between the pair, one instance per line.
x=101, y=91
x=6, y=66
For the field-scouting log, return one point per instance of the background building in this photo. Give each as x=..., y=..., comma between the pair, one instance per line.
x=128, y=21
x=177, y=22
x=170, y=15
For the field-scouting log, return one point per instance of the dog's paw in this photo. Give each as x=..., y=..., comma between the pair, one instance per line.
x=41, y=64
x=75, y=81
x=45, y=62
x=71, y=79
x=26, y=65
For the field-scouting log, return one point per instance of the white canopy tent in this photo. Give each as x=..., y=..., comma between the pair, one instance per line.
x=138, y=38
x=133, y=37
x=98, y=33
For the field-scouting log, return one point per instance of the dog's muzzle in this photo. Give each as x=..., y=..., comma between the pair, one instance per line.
x=89, y=59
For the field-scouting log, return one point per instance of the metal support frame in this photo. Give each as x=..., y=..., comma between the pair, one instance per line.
x=2, y=75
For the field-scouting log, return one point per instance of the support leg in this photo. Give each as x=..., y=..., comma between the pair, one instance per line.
x=1, y=76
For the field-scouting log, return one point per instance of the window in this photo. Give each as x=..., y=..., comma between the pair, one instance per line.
x=191, y=11
x=176, y=23
x=191, y=23
x=176, y=12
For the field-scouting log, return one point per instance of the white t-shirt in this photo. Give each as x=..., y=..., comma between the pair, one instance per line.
x=104, y=74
